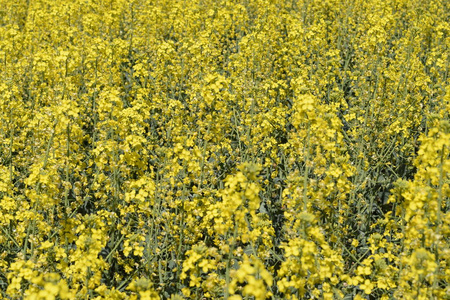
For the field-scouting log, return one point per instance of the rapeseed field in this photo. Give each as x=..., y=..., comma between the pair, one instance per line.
x=212, y=149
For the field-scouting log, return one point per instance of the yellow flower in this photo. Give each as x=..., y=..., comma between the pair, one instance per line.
x=367, y=286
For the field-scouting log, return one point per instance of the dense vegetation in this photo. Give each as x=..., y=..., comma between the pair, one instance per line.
x=251, y=149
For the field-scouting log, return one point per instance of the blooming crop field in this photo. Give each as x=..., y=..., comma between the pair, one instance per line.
x=218, y=149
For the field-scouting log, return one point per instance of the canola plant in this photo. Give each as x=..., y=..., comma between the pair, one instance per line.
x=204, y=149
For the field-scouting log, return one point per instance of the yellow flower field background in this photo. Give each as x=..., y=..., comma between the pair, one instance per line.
x=203, y=149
